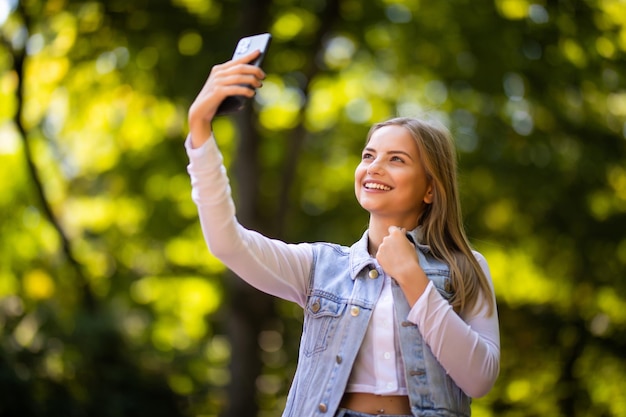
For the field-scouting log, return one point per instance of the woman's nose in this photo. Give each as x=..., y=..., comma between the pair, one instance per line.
x=374, y=167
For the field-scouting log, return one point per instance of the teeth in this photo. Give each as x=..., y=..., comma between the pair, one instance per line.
x=371, y=185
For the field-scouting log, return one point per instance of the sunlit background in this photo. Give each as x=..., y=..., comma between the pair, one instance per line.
x=110, y=303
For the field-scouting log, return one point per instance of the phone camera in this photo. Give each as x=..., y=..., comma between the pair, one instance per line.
x=243, y=46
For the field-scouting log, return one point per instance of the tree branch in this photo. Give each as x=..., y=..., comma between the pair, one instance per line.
x=19, y=58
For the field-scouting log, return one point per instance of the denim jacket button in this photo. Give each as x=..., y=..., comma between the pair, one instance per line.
x=355, y=311
x=316, y=306
x=339, y=359
x=373, y=274
x=322, y=407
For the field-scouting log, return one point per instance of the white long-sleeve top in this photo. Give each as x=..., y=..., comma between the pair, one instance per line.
x=467, y=345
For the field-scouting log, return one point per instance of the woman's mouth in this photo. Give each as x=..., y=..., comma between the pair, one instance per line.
x=376, y=186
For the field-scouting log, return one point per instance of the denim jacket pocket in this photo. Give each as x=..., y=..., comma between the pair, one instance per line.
x=321, y=316
x=442, y=281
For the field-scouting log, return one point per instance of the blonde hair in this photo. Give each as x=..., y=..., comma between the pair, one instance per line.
x=441, y=222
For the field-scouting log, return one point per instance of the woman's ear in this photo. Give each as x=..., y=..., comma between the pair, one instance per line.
x=429, y=196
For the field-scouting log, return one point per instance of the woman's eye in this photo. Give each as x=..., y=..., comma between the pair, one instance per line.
x=397, y=159
x=367, y=156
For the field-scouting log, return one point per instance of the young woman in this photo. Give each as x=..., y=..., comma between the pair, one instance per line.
x=403, y=322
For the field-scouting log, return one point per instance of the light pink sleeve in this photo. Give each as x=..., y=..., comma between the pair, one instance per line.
x=270, y=265
x=468, y=347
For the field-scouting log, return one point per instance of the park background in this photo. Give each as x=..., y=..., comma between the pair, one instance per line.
x=110, y=303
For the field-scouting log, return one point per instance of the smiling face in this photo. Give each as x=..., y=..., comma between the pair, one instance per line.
x=391, y=182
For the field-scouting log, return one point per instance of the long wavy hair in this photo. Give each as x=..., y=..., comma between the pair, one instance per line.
x=442, y=222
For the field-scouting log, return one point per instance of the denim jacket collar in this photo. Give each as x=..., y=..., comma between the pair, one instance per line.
x=360, y=256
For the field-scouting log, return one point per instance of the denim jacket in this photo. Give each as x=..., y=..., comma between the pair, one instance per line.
x=343, y=290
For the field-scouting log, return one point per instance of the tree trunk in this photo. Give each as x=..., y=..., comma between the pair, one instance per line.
x=249, y=309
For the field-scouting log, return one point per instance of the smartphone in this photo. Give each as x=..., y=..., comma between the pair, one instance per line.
x=245, y=45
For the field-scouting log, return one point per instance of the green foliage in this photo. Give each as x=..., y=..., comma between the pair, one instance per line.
x=110, y=304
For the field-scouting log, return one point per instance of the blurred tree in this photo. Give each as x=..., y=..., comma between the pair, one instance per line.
x=110, y=303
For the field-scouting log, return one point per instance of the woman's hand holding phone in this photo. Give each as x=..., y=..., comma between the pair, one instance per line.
x=232, y=78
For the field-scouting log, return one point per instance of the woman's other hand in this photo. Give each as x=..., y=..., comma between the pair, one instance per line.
x=396, y=255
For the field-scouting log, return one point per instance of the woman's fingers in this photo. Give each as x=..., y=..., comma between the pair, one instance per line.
x=240, y=79
x=234, y=73
x=246, y=59
x=241, y=65
x=396, y=229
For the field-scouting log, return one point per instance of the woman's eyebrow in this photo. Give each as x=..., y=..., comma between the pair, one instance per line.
x=391, y=152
